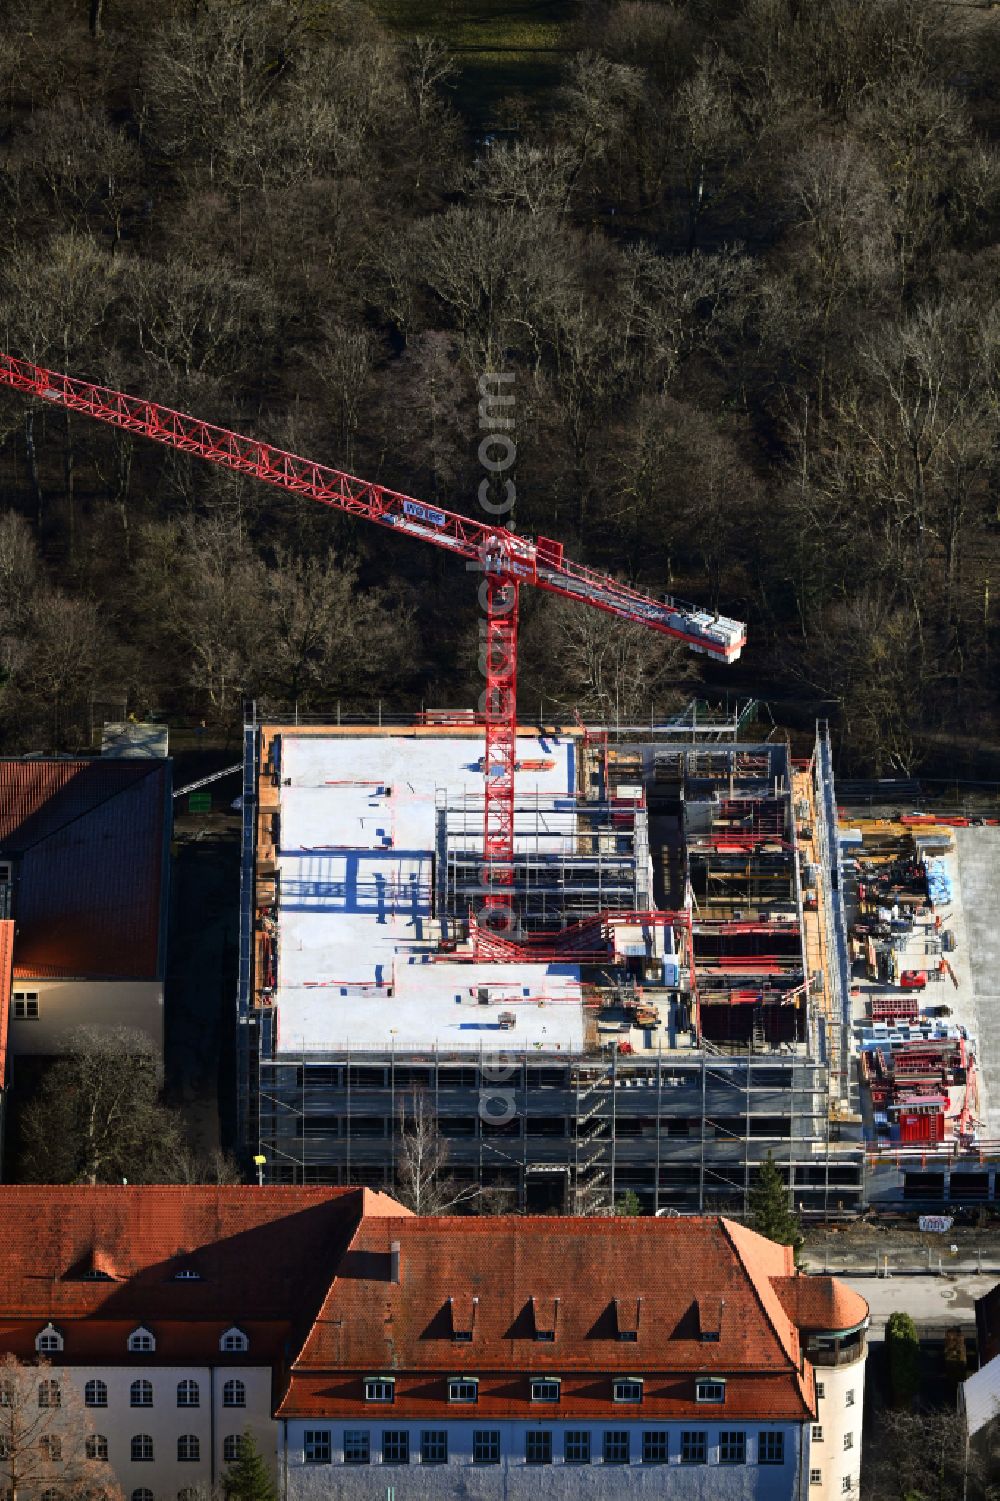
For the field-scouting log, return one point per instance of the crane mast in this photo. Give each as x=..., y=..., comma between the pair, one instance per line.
x=504, y=558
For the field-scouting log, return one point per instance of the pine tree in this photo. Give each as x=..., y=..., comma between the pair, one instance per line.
x=771, y=1212
x=248, y=1478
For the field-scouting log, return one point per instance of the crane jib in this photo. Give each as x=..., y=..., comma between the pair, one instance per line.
x=505, y=558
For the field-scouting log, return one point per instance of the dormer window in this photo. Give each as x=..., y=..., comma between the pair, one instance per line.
x=141, y=1341
x=627, y=1312
x=463, y=1389
x=50, y=1341
x=709, y=1389
x=545, y=1315
x=380, y=1388
x=463, y=1319
x=547, y=1389
x=234, y=1342
x=94, y=1274
x=628, y=1389
x=187, y=1274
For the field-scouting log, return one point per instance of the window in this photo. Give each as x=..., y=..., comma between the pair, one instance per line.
x=357, y=1446
x=849, y=1397
x=316, y=1446
x=395, y=1446
x=95, y=1394
x=815, y=1477
x=6, y=1393
x=380, y=1389
x=49, y=1394
x=49, y=1341
x=845, y=1485
x=97, y=1446
x=188, y=1394
x=628, y=1389
x=233, y=1341
x=817, y=1433
x=51, y=1447
x=732, y=1448
x=187, y=1494
x=142, y=1495
x=140, y=1394
x=576, y=1447
x=848, y=1440
x=187, y=1274
x=486, y=1446
x=821, y=1391
x=142, y=1447
x=231, y=1446
x=434, y=1446
x=709, y=1391
x=47, y=1495
x=234, y=1394
x=693, y=1448
x=771, y=1449
x=188, y=1446
x=616, y=1447
x=26, y=1005
x=655, y=1450
x=545, y=1391
x=141, y=1342
x=463, y=1389
x=538, y=1447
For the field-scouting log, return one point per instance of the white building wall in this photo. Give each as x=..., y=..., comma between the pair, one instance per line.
x=65, y=1004
x=515, y=1480
x=840, y=1414
x=165, y=1422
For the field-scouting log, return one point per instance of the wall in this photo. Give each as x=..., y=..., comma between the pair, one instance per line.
x=165, y=1421
x=515, y=1480
x=838, y=1421
x=64, y=1004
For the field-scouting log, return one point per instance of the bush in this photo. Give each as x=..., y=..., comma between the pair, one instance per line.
x=903, y=1350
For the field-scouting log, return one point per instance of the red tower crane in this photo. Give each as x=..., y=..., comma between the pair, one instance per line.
x=505, y=560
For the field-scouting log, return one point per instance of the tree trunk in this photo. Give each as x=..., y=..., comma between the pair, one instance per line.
x=96, y=17
x=29, y=444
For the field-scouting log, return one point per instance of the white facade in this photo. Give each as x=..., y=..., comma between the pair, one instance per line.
x=747, y=1471
x=167, y=1423
x=835, y=1438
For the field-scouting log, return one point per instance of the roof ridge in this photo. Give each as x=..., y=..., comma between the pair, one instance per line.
x=793, y=1346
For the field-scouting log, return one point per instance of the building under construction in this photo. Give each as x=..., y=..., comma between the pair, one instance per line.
x=664, y=1006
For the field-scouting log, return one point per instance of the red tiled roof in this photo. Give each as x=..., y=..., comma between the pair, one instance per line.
x=265, y=1257
x=87, y=839
x=368, y=1324
x=6, y=975
x=821, y=1304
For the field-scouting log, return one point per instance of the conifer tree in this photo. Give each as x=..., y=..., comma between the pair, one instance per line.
x=771, y=1212
x=247, y=1478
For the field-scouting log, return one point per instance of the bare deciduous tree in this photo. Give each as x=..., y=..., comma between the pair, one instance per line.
x=47, y=1436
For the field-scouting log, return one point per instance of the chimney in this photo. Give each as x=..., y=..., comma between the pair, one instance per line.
x=394, y=1262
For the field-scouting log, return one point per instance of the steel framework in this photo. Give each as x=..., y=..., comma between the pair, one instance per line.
x=502, y=556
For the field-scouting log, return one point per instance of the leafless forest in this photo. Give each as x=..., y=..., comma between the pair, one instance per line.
x=743, y=262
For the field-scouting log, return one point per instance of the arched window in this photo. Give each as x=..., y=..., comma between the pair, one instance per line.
x=234, y=1394
x=187, y=1495
x=95, y=1394
x=141, y=1342
x=231, y=1446
x=142, y=1447
x=97, y=1446
x=234, y=1341
x=188, y=1446
x=49, y=1495
x=49, y=1394
x=188, y=1394
x=49, y=1340
x=142, y=1494
x=51, y=1446
x=141, y=1394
